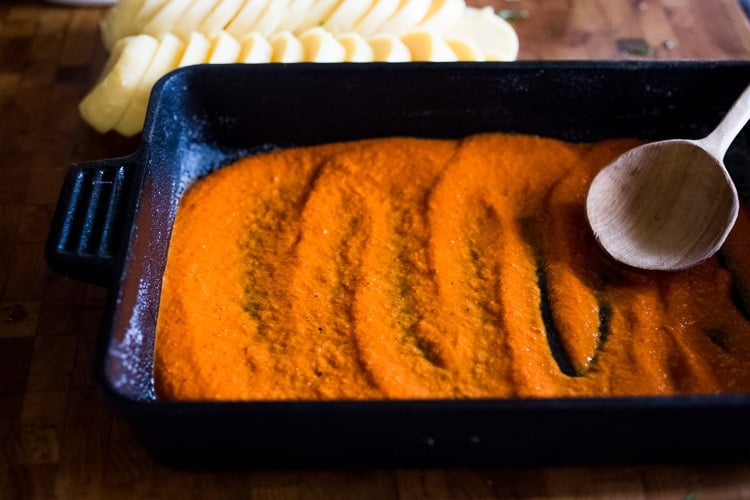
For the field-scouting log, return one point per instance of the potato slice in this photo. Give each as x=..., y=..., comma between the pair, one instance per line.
x=167, y=56
x=465, y=49
x=247, y=17
x=286, y=48
x=166, y=18
x=295, y=15
x=427, y=46
x=373, y=19
x=128, y=17
x=118, y=22
x=346, y=15
x=442, y=15
x=103, y=107
x=409, y=14
x=271, y=17
x=193, y=17
x=219, y=18
x=387, y=47
x=196, y=51
x=494, y=36
x=356, y=48
x=254, y=48
x=149, y=8
x=224, y=49
x=316, y=14
x=320, y=45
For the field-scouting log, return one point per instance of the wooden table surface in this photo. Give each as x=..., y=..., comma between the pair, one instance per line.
x=58, y=439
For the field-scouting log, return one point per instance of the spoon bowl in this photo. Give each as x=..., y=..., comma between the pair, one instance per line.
x=668, y=205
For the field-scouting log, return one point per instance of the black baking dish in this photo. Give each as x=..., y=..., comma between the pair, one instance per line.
x=113, y=221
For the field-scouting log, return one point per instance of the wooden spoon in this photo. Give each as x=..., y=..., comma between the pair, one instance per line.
x=668, y=205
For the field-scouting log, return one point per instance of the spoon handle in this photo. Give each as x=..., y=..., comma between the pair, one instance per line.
x=718, y=141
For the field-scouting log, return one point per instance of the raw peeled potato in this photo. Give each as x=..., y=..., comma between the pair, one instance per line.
x=254, y=49
x=356, y=48
x=247, y=17
x=118, y=22
x=376, y=16
x=165, y=20
x=426, y=46
x=224, y=49
x=494, y=36
x=442, y=15
x=267, y=17
x=294, y=15
x=196, y=52
x=465, y=49
x=387, y=47
x=320, y=45
x=219, y=17
x=149, y=38
x=193, y=17
x=103, y=107
x=166, y=58
x=346, y=15
x=271, y=17
x=407, y=17
x=316, y=14
x=286, y=48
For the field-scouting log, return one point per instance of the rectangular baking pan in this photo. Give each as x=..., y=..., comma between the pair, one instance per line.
x=113, y=221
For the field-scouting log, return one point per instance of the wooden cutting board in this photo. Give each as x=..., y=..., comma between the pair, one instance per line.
x=58, y=439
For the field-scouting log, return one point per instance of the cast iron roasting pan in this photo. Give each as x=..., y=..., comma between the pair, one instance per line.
x=114, y=216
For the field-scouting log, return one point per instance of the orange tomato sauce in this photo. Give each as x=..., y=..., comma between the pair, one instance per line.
x=416, y=268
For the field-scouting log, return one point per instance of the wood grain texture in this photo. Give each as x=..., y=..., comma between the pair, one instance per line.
x=57, y=437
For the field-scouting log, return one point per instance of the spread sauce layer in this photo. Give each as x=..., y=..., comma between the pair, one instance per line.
x=416, y=268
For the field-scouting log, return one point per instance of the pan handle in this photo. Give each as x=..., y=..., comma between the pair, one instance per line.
x=88, y=230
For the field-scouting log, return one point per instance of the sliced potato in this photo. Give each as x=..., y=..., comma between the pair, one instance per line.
x=316, y=14
x=465, y=49
x=193, y=17
x=247, y=17
x=494, y=36
x=356, y=48
x=254, y=48
x=427, y=46
x=224, y=49
x=149, y=8
x=166, y=18
x=387, y=47
x=380, y=11
x=320, y=45
x=409, y=14
x=118, y=22
x=271, y=17
x=442, y=15
x=346, y=15
x=254, y=31
x=166, y=58
x=196, y=51
x=286, y=48
x=220, y=17
x=128, y=17
x=294, y=15
x=103, y=107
